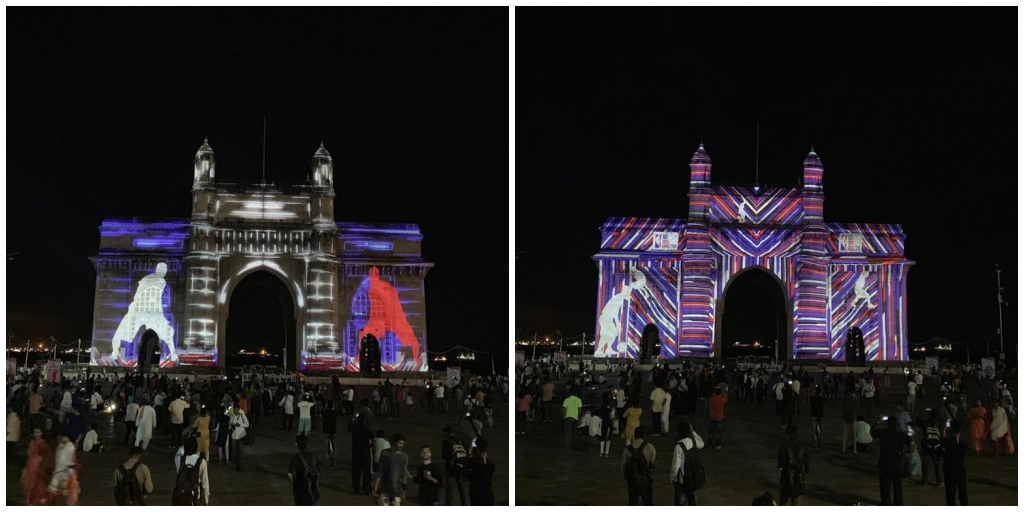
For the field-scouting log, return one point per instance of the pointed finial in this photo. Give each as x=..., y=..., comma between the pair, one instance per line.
x=812, y=148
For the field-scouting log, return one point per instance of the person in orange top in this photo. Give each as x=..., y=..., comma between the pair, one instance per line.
x=718, y=401
x=33, y=478
x=977, y=417
x=243, y=404
x=522, y=406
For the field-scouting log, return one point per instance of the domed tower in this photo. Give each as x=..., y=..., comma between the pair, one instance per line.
x=322, y=199
x=322, y=168
x=700, y=185
x=204, y=167
x=814, y=197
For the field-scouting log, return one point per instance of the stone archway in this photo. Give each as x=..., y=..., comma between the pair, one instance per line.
x=781, y=308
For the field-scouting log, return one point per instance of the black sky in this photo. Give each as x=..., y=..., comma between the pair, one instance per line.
x=912, y=111
x=106, y=108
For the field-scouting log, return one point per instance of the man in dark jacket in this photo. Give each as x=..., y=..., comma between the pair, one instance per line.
x=893, y=445
x=455, y=477
x=794, y=464
x=953, y=451
x=362, y=437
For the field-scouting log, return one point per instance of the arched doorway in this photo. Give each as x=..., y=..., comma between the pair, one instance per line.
x=261, y=323
x=755, y=317
x=650, y=343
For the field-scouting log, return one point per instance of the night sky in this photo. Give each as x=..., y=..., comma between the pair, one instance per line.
x=106, y=108
x=912, y=112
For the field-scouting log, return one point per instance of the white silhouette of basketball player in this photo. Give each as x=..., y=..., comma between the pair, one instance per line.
x=609, y=321
x=742, y=212
x=860, y=292
x=146, y=311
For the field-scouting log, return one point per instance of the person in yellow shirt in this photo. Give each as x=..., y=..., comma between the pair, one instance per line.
x=571, y=416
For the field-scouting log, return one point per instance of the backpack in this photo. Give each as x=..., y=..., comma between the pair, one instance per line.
x=932, y=439
x=310, y=483
x=693, y=467
x=459, y=455
x=187, y=488
x=128, y=491
x=797, y=484
x=638, y=470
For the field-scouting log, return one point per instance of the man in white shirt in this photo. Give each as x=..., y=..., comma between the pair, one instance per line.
x=158, y=403
x=177, y=409
x=439, y=397
x=305, y=418
x=689, y=440
x=657, y=402
x=92, y=442
x=288, y=406
x=919, y=380
x=237, y=422
x=778, y=390
x=144, y=423
x=912, y=390
x=349, y=401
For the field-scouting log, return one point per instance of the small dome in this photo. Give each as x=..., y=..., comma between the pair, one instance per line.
x=812, y=159
x=205, y=149
x=701, y=156
x=322, y=152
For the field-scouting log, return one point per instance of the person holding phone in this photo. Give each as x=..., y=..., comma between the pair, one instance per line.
x=430, y=477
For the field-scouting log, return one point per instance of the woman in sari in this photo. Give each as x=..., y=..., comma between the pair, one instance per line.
x=33, y=477
x=1001, y=430
x=202, y=425
x=632, y=417
x=976, y=418
x=63, y=487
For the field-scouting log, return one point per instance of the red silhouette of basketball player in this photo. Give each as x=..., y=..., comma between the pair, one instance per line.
x=386, y=315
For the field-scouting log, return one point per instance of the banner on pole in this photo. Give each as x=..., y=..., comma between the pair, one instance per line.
x=53, y=370
x=520, y=358
x=988, y=366
x=561, y=357
x=454, y=375
x=931, y=362
x=12, y=366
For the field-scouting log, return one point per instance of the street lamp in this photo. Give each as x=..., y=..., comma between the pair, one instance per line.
x=999, y=300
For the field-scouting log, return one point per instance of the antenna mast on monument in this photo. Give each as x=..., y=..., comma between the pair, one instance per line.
x=263, y=181
x=757, y=158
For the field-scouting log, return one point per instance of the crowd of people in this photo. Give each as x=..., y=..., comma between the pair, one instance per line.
x=614, y=406
x=196, y=415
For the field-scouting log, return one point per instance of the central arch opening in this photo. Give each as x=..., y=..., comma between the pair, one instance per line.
x=261, y=323
x=754, y=320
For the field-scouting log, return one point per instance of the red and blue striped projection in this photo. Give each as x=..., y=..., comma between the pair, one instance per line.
x=673, y=274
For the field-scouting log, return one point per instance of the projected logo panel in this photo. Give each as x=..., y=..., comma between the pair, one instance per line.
x=150, y=309
x=378, y=310
x=647, y=295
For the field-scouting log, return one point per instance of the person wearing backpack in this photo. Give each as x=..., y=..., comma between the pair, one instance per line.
x=132, y=480
x=304, y=474
x=932, y=449
x=794, y=465
x=687, y=474
x=637, y=463
x=192, y=485
x=455, y=457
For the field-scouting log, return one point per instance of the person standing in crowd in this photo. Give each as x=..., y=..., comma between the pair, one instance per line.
x=547, y=402
x=632, y=418
x=144, y=424
x=606, y=415
x=378, y=444
x=304, y=474
x=911, y=394
x=794, y=464
x=818, y=416
x=953, y=452
x=330, y=427
x=849, y=418
x=523, y=404
x=305, y=418
x=201, y=425
x=64, y=488
x=689, y=441
x=570, y=416
x=287, y=405
x=237, y=423
x=480, y=474
x=1001, y=437
x=33, y=480
x=139, y=480
x=718, y=401
x=637, y=464
x=862, y=435
x=977, y=417
x=348, y=402
x=131, y=413
x=223, y=430
x=177, y=409
x=890, y=461
x=657, y=402
x=389, y=485
x=919, y=383
x=455, y=458
x=932, y=442
x=193, y=475
x=430, y=478
x=362, y=438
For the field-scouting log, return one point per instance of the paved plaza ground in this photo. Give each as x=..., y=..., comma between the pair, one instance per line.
x=264, y=480
x=745, y=467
